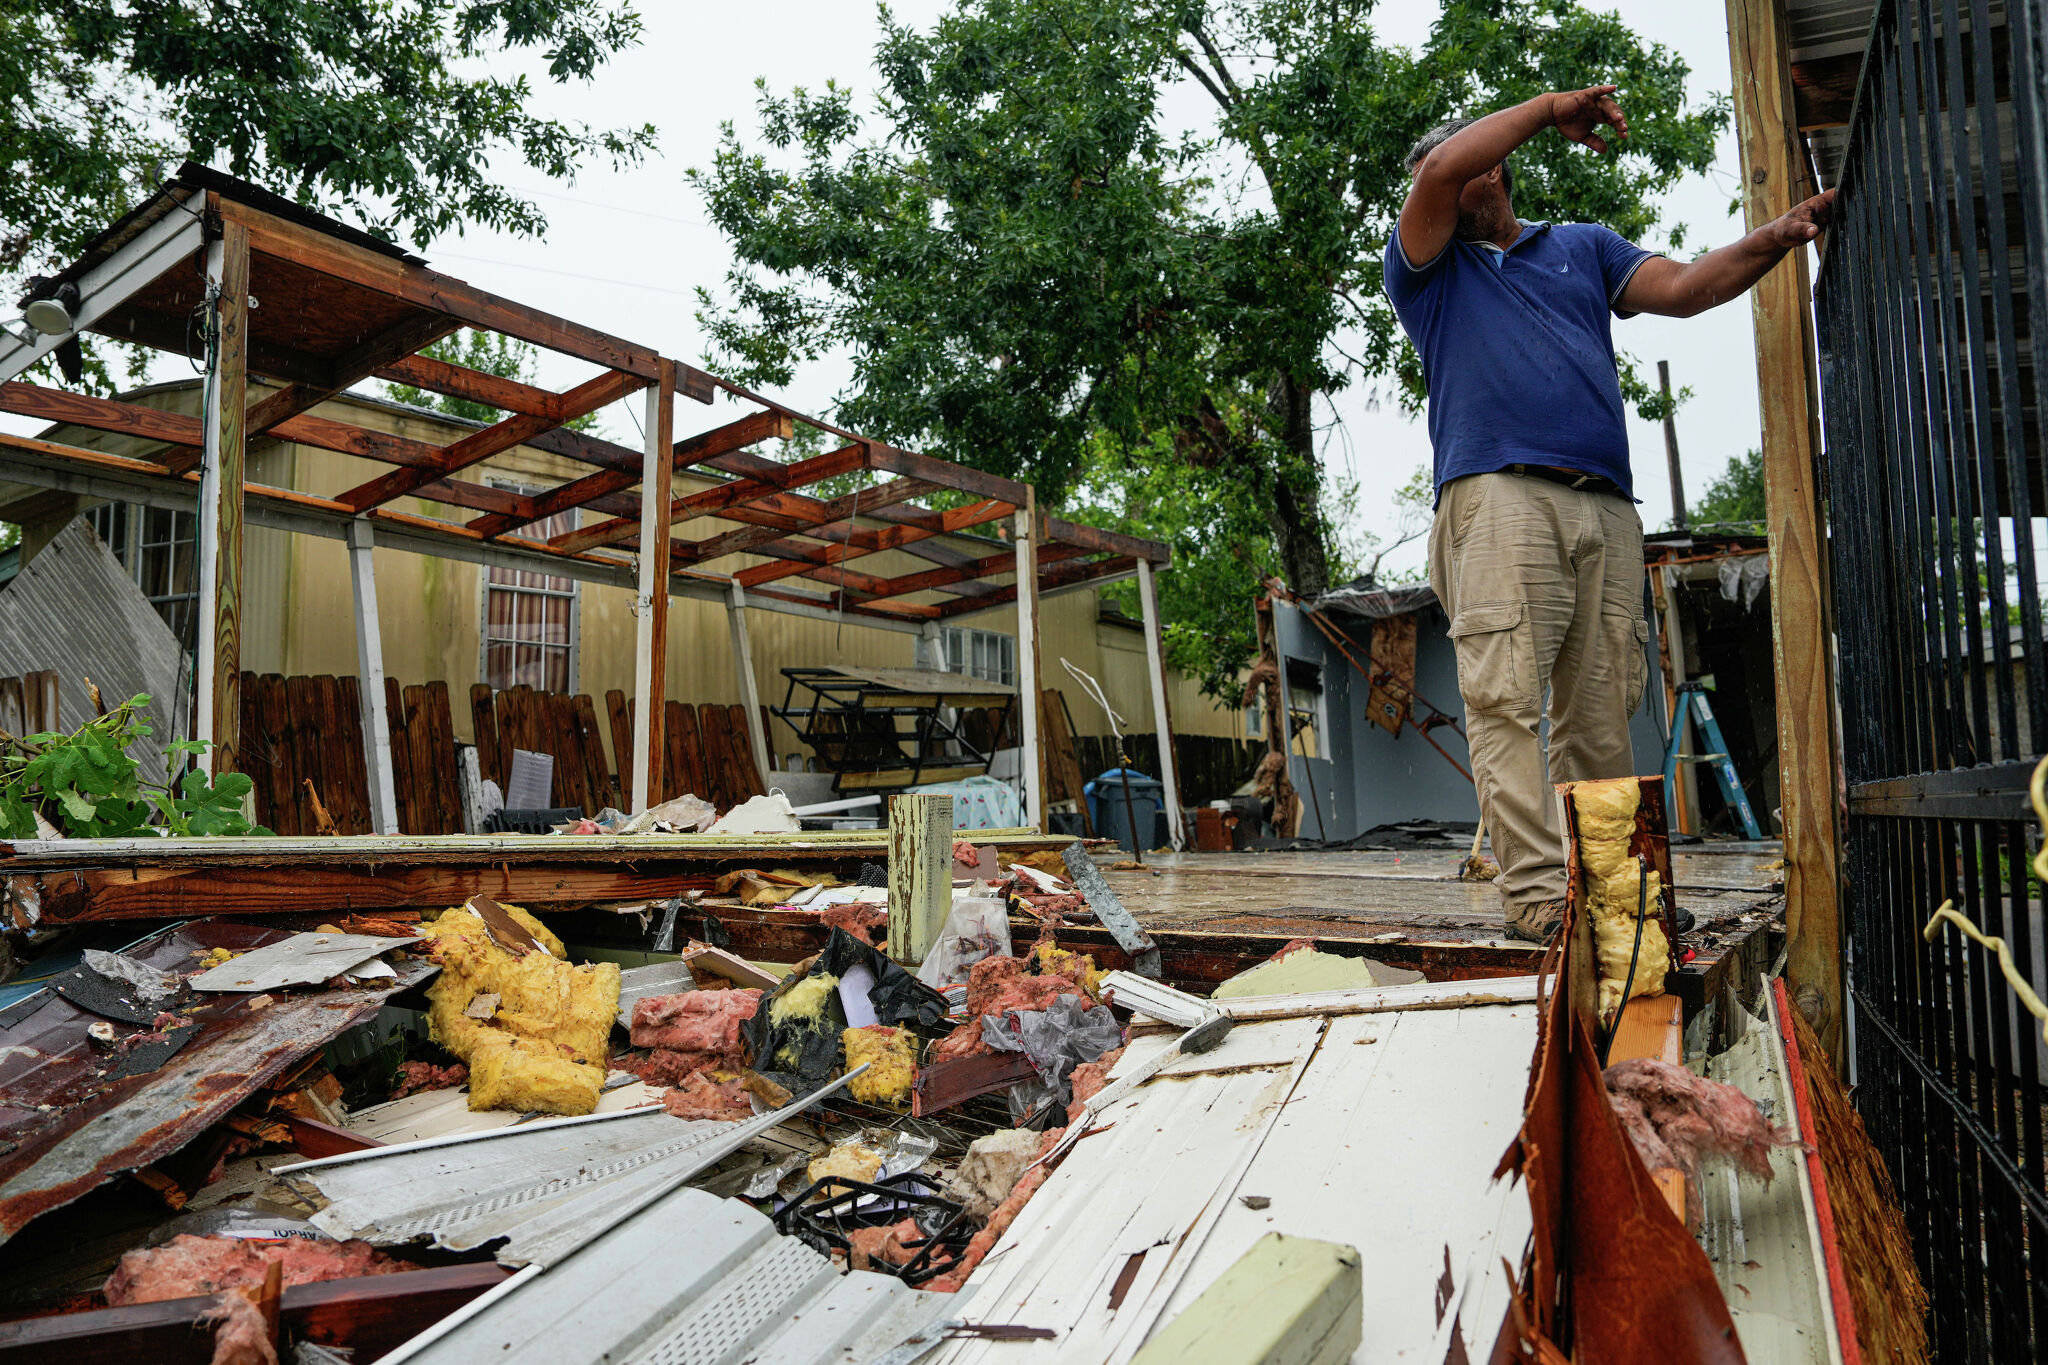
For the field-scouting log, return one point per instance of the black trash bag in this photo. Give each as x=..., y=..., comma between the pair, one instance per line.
x=803, y=1054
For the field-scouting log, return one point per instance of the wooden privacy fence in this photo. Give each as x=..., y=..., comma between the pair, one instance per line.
x=708, y=753
x=303, y=743
x=28, y=704
x=547, y=723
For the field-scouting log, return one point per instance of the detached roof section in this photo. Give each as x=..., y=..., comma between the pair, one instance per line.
x=331, y=307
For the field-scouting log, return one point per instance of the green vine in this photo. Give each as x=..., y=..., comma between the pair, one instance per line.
x=86, y=785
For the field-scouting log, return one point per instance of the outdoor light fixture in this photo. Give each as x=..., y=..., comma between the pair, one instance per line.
x=52, y=316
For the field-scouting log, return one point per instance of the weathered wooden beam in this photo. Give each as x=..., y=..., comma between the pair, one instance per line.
x=954, y=476
x=1003, y=562
x=650, y=648
x=801, y=558
x=708, y=501
x=749, y=430
x=1800, y=626
x=425, y=288
x=400, y=339
x=219, y=668
x=459, y=381
x=1065, y=576
x=920, y=872
x=588, y=396
x=1107, y=542
x=823, y=520
x=185, y=432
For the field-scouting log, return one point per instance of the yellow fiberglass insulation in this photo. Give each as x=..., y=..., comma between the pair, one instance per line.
x=1614, y=890
x=1607, y=819
x=803, y=1004
x=544, y=1049
x=1613, y=940
x=851, y=1159
x=892, y=1057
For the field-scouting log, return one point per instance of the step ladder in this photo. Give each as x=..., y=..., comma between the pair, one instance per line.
x=1693, y=705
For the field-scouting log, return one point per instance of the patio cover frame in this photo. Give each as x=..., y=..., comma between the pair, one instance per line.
x=253, y=285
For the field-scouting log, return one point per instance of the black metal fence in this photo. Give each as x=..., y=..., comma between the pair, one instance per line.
x=1933, y=316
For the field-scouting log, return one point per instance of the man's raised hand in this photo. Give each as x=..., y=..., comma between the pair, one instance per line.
x=1803, y=222
x=1578, y=112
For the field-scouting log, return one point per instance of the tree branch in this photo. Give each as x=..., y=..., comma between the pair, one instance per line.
x=1195, y=70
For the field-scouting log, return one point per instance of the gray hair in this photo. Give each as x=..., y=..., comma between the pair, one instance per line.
x=1437, y=136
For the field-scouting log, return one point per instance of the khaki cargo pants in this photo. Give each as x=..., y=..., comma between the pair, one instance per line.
x=1544, y=587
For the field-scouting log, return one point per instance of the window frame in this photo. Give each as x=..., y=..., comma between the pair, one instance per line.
x=573, y=596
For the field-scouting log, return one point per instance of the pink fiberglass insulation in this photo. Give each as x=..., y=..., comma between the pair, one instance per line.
x=860, y=920
x=1088, y=1080
x=999, y=1222
x=186, y=1266
x=701, y=1097
x=240, y=1334
x=694, y=1021
x=883, y=1244
x=417, y=1076
x=663, y=1067
x=1677, y=1119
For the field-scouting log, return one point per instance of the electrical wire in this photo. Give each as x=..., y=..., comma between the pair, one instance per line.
x=1094, y=691
x=1628, y=984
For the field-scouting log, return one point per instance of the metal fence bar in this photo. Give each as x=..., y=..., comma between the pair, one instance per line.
x=1932, y=306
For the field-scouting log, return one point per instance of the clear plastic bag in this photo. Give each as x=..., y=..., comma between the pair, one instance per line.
x=978, y=927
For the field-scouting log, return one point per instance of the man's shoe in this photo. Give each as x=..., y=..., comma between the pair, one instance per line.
x=1535, y=921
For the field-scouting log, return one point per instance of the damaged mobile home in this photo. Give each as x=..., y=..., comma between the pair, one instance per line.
x=564, y=1019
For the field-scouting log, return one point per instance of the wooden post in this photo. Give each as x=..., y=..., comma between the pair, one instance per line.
x=920, y=872
x=1678, y=518
x=1031, y=751
x=1787, y=391
x=218, y=673
x=370, y=671
x=1685, y=800
x=1162, y=718
x=650, y=644
x=743, y=663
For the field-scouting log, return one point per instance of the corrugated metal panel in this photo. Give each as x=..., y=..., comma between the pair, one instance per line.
x=692, y=1280
x=74, y=609
x=535, y=1185
x=1764, y=1239
x=67, y=1126
x=1378, y=1131
x=546, y=1188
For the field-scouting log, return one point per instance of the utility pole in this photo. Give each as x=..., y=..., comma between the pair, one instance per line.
x=1678, y=522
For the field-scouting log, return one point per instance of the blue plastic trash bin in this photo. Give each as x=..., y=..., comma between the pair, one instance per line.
x=1106, y=807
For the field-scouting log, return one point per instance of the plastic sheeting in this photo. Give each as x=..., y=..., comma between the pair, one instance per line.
x=1369, y=599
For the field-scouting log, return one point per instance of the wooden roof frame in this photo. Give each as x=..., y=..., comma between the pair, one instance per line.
x=258, y=287
x=401, y=306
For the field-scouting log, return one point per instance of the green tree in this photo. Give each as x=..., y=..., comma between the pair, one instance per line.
x=372, y=109
x=1034, y=274
x=1735, y=500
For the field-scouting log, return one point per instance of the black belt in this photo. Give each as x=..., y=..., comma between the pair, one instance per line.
x=1570, y=478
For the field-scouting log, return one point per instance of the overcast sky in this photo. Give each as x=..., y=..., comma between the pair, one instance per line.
x=624, y=251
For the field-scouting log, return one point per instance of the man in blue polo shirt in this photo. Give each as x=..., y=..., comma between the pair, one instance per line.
x=1537, y=552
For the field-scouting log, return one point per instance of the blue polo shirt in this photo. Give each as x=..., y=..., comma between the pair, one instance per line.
x=1516, y=348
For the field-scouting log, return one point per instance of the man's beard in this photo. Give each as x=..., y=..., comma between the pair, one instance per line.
x=1478, y=227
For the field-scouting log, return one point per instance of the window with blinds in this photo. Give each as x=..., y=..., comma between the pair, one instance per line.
x=529, y=625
